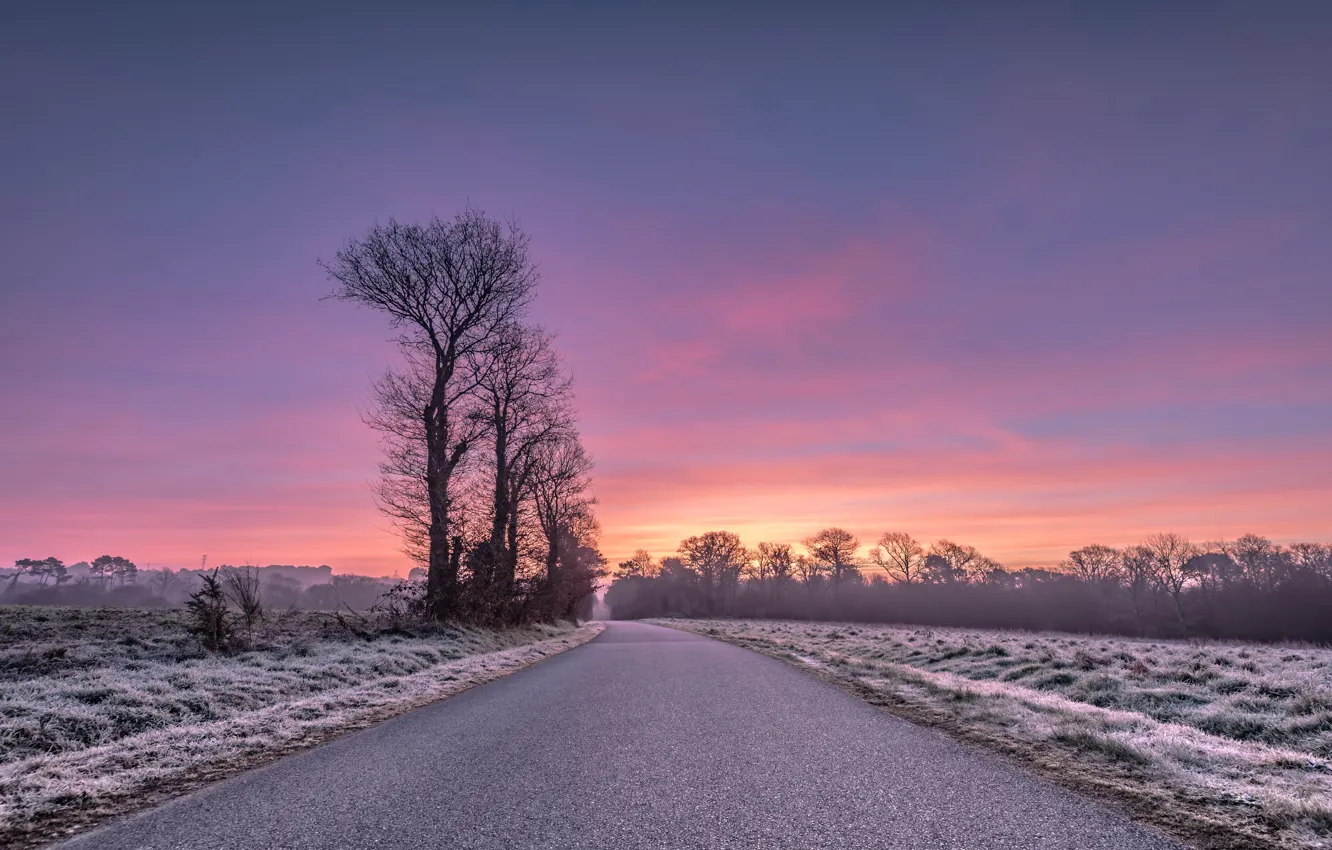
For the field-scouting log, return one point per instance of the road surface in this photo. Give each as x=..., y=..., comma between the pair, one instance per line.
x=643, y=738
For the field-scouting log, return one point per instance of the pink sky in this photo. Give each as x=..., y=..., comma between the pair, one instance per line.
x=1027, y=288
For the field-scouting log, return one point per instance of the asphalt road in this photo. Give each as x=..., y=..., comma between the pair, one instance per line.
x=643, y=738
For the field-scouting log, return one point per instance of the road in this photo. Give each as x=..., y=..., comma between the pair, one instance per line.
x=643, y=738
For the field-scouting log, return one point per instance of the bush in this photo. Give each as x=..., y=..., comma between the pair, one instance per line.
x=210, y=620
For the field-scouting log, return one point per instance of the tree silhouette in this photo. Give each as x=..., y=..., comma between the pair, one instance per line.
x=448, y=287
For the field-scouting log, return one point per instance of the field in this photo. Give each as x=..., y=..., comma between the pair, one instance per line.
x=106, y=710
x=1228, y=745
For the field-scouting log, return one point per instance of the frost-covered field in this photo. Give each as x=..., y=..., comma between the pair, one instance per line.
x=1230, y=744
x=102, y=710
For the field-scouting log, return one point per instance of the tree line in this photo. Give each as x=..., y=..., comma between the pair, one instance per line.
x=483, y=472
x=105, y=571
x=1248, y=588
x=117, y=581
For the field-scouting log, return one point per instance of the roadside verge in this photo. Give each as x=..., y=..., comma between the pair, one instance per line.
x=48, y=797
x=1208, y=790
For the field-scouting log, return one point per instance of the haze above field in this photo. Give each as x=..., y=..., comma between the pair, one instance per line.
x=1026, y=278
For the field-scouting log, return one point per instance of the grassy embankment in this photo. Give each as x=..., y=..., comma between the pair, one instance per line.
x=107, y=710
x=1223, y=744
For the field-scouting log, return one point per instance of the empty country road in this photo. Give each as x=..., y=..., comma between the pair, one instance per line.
x=645, y=737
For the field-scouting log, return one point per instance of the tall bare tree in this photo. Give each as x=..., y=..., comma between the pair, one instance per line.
x=560, y=485
x=1094, y=563
x=1137, y=569
x=951, y=562
x=1172, y=556
x=447, y=287
x=774, y=562
x=809, y=570
x=403, y=489
x=836, y=549
x=523, y=395
x=717, y=557
x=899, y=555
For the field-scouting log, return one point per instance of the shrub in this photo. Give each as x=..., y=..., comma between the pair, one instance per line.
x=210, y=621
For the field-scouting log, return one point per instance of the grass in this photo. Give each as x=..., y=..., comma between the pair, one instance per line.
x=106, y=710
x=1222, y=744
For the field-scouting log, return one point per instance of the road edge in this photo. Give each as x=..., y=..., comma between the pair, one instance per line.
x=1060, y=767
x=50, y=830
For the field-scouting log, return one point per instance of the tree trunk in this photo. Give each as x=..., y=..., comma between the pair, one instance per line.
x=442, y=573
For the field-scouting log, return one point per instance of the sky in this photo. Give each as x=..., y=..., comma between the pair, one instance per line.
x=1025, y=276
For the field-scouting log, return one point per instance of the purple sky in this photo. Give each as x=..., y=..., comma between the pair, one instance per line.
x=1027, y=278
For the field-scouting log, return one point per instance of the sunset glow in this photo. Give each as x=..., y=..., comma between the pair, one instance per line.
x=1087, y=302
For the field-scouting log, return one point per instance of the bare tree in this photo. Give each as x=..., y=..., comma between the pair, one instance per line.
x=836, y=549
x=899, y=555
x=524, y=399
x=1172, y=557
x=560, y=481
x=777, y=560
x=717, y=557
x=1094, y=563
x=1138, y=570
x=1314, y=558
x=403, y=490
x=448, y=287
x=164, y=581
x=241, y=586
x=1259, y=559
x=809, y=570
x=951, y=562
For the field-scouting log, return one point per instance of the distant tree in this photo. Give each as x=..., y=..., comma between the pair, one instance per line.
x=1137, y=568
x=1169, y=582
x=53, y=569
x=242, y=586
x=449, y=287
x=950, y=562
x=810, y=571
x=774, y=562
x=899, y=555
x=1259, y=560
x=676, y=570
x=1172, y=557
x=835, y=549
x=209, y=619
x=416, y=574
x=321, y=597
x=284, y=591
x=1213, y=570
x=1313, y=558
x=640, y=565
x=716, y=557
x=44, y=570
x=22, y=567
x=1093, y=564
x=164, y=582
x=111, y=568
